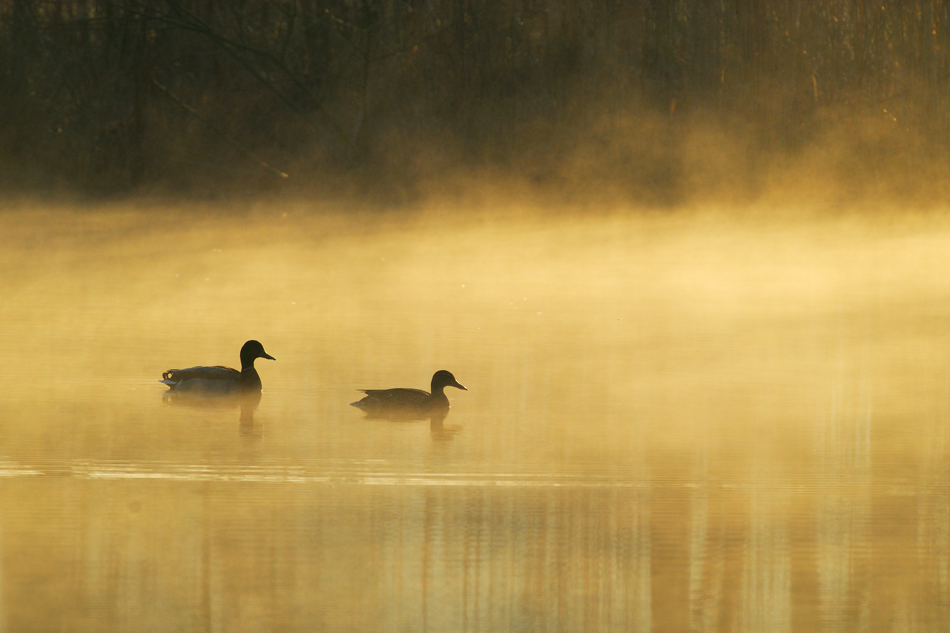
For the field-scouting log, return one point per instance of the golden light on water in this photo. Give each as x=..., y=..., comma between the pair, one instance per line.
x=706, y=420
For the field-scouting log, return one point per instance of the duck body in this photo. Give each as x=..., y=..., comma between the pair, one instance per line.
x=409, y=403
x=219, y=380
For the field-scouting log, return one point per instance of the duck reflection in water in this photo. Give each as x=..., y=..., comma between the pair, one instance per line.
x=412, y=404
x=220, y=386
x=439, y=431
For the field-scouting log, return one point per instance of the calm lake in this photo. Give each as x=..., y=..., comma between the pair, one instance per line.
x=705, y=421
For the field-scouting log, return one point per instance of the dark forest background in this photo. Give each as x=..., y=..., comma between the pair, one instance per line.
x=652, y=99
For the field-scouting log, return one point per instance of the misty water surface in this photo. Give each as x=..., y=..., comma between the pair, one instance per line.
x=675, y=421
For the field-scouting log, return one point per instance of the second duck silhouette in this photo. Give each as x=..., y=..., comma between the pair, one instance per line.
x=219, y=380
x=409, y=403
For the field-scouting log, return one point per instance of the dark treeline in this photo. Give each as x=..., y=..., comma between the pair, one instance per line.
x=113, y=95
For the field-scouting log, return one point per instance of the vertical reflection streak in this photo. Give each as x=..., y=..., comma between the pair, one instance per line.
x=766, y=582
x=205, y=612
x=643, y=568
x=844, y=508
x=700, y=610
x=427, y=526
x=4, y=625
x=933, y=514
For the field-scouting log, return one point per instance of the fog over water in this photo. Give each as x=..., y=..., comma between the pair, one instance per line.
x=712, y=419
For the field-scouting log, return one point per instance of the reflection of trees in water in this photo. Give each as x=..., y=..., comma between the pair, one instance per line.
x=569, y=559
x=844, y=512
x=582, y=555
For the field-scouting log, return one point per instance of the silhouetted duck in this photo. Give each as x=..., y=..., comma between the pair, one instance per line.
x=220, y=380
x=409, y=402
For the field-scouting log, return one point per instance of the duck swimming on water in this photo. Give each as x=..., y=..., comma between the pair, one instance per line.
x=220, y=380
x=408, y=402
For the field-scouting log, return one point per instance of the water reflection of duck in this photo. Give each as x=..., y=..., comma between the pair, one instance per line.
x=219, y=380
x=410, y=403
x=247, y=402
x=439, y=431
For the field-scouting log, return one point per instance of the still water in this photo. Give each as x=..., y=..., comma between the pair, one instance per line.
x=675, y=422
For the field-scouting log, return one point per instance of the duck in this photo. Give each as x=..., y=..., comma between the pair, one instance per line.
x=220, y=380
x=406, y=402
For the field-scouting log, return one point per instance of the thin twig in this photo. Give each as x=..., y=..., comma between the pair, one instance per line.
x=227, y=44
x=221, y=133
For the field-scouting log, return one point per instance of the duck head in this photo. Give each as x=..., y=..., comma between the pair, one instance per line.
x=251, y=351
x=442, y=379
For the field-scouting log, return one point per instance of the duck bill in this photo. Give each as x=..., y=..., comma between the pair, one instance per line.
x=267, y=356
x=459, y=385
